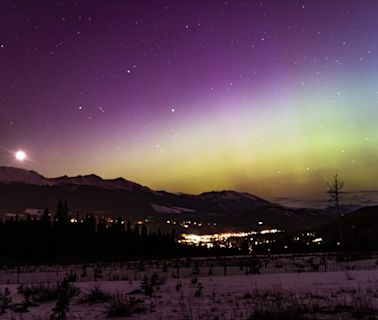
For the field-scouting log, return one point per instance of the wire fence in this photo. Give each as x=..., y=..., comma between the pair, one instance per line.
x=190, y=268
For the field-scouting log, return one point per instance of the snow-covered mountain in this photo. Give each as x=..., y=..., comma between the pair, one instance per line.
x=17, y=175
x=10, y=175
x=228, y=199
x=21, y=189
x=230, y=195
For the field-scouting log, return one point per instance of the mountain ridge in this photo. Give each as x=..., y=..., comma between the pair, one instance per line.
x=226, y=209
x=34, y=178
x=19, y=175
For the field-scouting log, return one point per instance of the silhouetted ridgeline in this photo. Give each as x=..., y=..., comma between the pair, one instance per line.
x=212, y=212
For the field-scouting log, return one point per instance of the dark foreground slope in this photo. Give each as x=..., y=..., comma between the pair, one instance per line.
x=359, y=229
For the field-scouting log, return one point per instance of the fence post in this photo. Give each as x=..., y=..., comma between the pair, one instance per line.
x=18, y=274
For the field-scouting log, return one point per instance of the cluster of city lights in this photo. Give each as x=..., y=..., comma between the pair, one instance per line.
x=188, y=223
x=209, y=239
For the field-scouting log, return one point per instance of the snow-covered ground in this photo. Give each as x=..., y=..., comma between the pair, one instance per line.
x=189, y=267
x=332, y=295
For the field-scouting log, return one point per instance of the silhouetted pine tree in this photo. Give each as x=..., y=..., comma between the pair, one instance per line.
x=77, y=239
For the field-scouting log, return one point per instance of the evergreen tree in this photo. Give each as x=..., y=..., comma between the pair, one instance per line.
x=45, y=218
x=61, y=214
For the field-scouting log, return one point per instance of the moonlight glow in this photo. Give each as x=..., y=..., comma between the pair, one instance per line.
x=20, y=155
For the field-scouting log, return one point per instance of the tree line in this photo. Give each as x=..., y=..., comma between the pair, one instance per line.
x=63, y=237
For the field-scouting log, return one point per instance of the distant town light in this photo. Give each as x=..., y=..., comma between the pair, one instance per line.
x=208, y=239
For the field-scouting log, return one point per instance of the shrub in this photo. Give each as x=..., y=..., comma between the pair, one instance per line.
x=95, y=295
x=40, y=293
x=156, y=280
x=178, y=285
x=147, y=287
x=5, y=300
x=65, y=293
x=363, y=305
x=122, y=306
x=247, y=295
x=276, y=305
x=198, y=290
x=148, y=284
x=275, y=314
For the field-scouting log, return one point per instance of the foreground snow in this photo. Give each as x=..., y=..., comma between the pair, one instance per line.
x=230, y=297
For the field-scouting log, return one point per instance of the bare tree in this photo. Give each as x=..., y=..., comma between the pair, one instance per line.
x=335, y=188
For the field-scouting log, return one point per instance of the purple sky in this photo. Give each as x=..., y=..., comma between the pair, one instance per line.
x=269, y=97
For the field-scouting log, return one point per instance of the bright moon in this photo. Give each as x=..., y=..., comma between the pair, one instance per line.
x=20, y=155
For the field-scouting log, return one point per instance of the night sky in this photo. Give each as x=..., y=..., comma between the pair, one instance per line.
x=269, y=97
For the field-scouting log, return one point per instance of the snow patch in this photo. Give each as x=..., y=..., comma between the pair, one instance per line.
x=165, y=209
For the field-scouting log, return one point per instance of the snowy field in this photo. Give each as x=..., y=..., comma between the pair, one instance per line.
x=348, y=294
x=189, y=267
